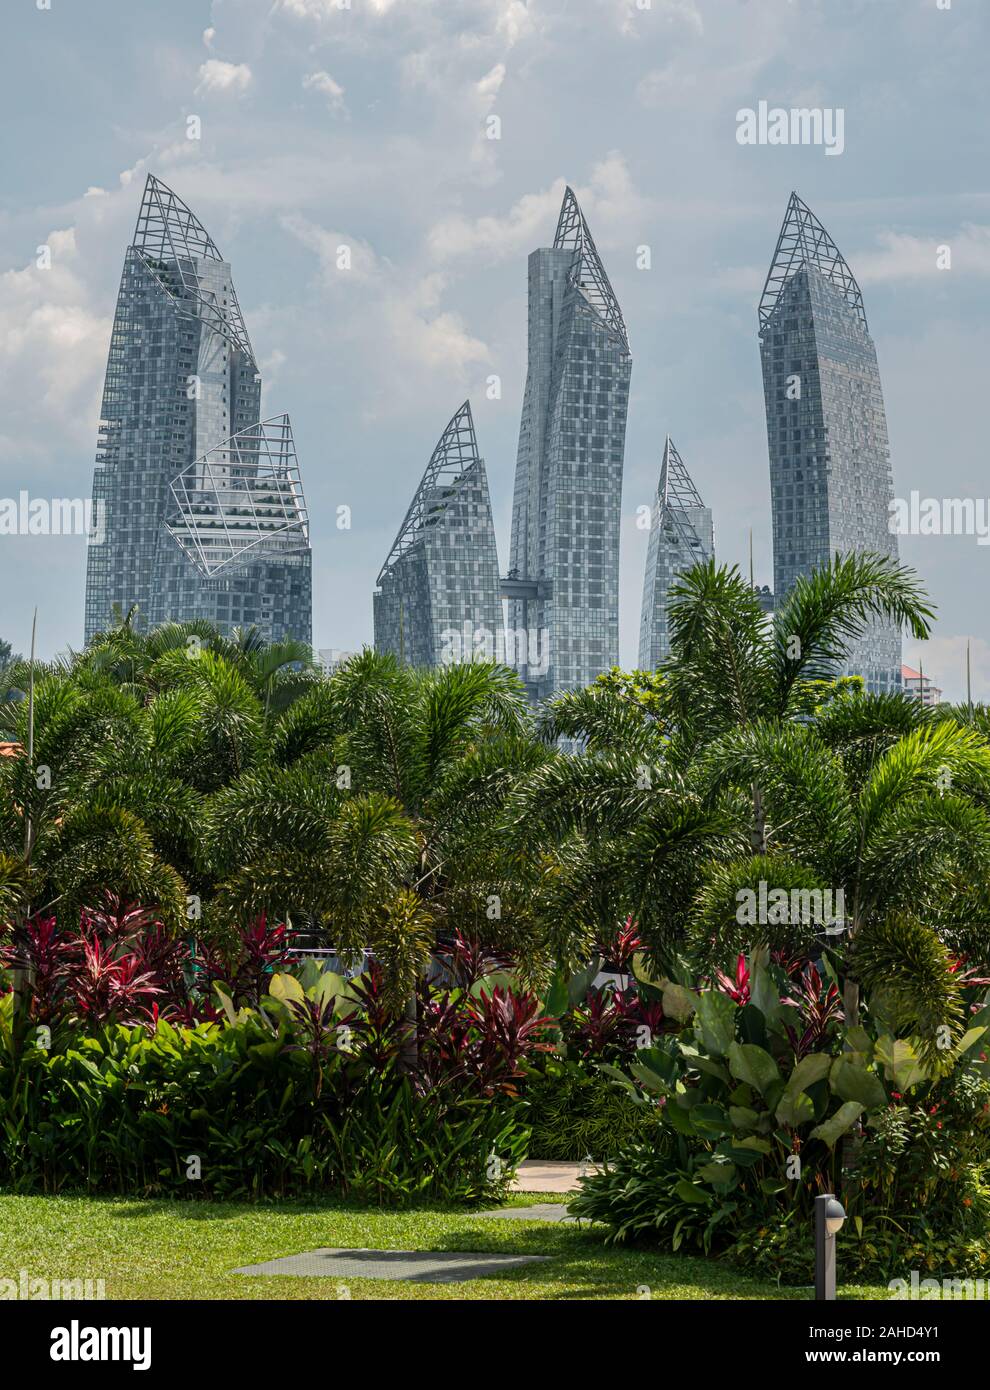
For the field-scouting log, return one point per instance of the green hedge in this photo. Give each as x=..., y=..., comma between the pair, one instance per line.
x=233, y=1111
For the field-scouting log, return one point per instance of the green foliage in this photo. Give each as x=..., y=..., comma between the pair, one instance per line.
x=751, y=1129
x=125, y=1111
x=652, y=1195
x=576, y=1112
x=919, y=1198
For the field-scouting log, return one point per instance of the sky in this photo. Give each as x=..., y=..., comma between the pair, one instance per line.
x=295, y=127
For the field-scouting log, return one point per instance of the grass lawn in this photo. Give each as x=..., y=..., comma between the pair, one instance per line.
x=177, y=1250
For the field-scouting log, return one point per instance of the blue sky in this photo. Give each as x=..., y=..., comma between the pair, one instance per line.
x=366, y=126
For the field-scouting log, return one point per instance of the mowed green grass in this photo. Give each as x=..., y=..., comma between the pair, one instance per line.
x=187, y=1250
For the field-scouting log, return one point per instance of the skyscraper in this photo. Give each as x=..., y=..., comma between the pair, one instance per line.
x=681, y=535
x=564, y=575
x=437, y=599
x=198, y=503
x=830, y=475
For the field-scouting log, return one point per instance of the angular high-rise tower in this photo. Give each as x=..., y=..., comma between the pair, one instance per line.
x=681, y=535
x=830, y=475
x=563, y=584
x=198, y=503
x=437, y=599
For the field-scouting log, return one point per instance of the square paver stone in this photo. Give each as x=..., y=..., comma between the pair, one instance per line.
x=417, y=1266
x=541, y=1175
x=541, y=1211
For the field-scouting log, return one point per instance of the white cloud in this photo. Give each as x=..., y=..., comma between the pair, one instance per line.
x=217, y=76
x=208, y=36
x=609, y=202
x=488, y=87
x=665, y=86
x=514, y=20
x=323, y=9
x=497, y=238
x=397, y=318
x=322, y=82
x=632, y=14
x=53, y=345
x=904, y=257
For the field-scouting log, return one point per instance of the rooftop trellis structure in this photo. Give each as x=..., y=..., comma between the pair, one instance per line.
x=681, y=535
x=804, y=241
x=242, y=500
x=587, y=272
x=170, y=237
x=456, y=452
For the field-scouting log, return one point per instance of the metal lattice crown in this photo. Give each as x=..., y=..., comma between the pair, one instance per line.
x=456, y=455
x=676, y=494
x=803, y=241
x=169, y=237
x=587, y=273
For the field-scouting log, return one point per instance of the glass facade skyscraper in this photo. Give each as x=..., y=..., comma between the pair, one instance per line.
x=830, y=476
x=681, y=535
x=198, y=503
x=564, y=575
x=437, y=599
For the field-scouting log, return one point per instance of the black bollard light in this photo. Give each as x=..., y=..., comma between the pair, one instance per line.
x=829, y=1216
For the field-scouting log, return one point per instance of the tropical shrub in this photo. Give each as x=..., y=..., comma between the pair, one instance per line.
x=576, y=1112
x=320, y=1087
x=761, y=1099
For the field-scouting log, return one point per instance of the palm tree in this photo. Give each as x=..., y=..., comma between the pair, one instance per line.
x=640, y=808
x=891, y=807
x=429, y=756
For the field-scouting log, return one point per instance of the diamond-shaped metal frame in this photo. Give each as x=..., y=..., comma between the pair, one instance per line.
x=242, y=500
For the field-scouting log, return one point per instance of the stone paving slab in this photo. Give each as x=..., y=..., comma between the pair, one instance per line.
x=416, y=1266
x=542, y=1211
x=538, y=1175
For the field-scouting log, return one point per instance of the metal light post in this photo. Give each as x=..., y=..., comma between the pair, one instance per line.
x=829, y=1216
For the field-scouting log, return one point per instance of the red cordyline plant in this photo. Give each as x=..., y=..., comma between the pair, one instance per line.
x=739, y=988
x=105, y=988
x=47, y=958
x=117, y=923
x=617, y=952
x=468, y=961
x=594, y=1026
x=246, y=972
x=508, y=1027
x=819, y=1007
x=377, y=1034
x=637, y=1013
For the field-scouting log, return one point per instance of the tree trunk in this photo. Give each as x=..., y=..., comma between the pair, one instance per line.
x=409, y=1055
x=758, y=830
x=852, y=1140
